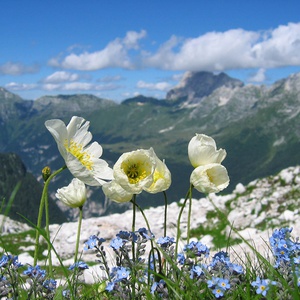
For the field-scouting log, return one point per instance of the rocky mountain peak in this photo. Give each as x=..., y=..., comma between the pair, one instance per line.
x=6, y=96
x=196, y=85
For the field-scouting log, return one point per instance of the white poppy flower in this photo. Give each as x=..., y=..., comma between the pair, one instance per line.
x=73, y=195
x=115, y=192
x=211, y=178
x=161, y=177
x=134, y=170
x=81, y=158
x=202, y=150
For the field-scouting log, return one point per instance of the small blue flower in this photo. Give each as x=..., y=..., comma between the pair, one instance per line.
x=161, y=284
x=262, y=285
x=116, y=243
x=126, y=235
x=119, y=273
x=110, y=286
x=122, y=273
x=145, y=233
x=80, y=265
x=165, y=242
x=49, y=284
x=221, y=257
x=66, y=294
x=212, y=282
x=238, y=269
x=181, y=258
x=93, y=242
x=197, y=248
x=296, y=260
x=196, y=271
x=218, y=292
x=224, y=284
x=5, y=259
x=35, y=272
x=15, y=262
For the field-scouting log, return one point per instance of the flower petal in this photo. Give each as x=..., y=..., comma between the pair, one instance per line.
x=202, y=150
x=59, y=132
x=73, y=195
x=134, y=170
x=211, y=178
x=161, y=177
x=115, y=192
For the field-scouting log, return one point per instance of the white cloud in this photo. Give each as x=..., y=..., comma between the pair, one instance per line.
x=14, y=86
x=11, y=68
x=61, y=76
x=232, y=49
x=213, y=51
x=115, y=54
x=110, y=78
x=160, y=86
x=79, y=86
x=260, y=76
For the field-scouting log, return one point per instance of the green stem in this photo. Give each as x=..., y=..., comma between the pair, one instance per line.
x=189, y=214
x=165, y=216
x=41, y=208
x=187, y=197
x=151, y=239
x=133, y=246
x=48, y=235
x=78, y=234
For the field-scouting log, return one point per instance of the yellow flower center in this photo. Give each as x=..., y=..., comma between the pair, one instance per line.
x=134, y=171
x=77, y=150
x=157, y=175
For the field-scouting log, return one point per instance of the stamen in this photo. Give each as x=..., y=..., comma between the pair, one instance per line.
x=78, y=151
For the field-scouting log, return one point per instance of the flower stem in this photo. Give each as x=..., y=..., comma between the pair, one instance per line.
x=48, y=235
x=189, y=214
x=41, y=208
x=133, y=246
x=187, y=197
x=165, y=216
x=78, y=234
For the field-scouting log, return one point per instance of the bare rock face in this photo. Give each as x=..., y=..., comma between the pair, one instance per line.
x=200, y=84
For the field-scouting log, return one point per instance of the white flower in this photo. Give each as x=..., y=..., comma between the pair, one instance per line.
x=115, y=192
x=81, y=158
x=73, y=195
x=134, y=170
x=202, y=150
x=161, y=177
x=211, y=178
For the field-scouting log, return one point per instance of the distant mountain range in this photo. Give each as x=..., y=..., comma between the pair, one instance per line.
x=258, y=126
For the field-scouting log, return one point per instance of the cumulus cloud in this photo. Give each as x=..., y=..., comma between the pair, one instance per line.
x=12, y=68
x=212, y=51
x=260, y=76
x=232, y=49
x=61, y=76
x=110, y=78
x=14, y=86
x=78, y=86
x=115, y=54
x=160, y=86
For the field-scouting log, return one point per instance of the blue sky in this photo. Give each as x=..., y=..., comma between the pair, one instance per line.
x=119, y=49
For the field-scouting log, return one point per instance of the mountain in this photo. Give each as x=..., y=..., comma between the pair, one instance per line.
x=259, y=127
x=20, y=192
x=196, y=85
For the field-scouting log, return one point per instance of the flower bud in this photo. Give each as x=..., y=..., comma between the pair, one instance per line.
x=46, y=172
x=73, y=195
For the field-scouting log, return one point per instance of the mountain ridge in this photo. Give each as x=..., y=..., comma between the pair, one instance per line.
x=253, y=123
